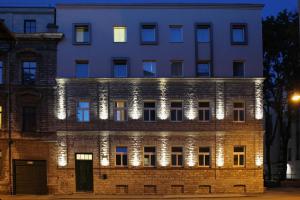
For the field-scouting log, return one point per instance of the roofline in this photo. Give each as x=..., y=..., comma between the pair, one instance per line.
x=11, y=35
x=162, y=5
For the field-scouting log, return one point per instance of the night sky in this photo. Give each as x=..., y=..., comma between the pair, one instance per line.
x=271, y=6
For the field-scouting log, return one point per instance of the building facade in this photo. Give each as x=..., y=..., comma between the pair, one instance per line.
x=161, y=98
x=156, y=102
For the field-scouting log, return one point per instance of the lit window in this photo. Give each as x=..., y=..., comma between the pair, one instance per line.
x=176, y=111
x=176, y=68
x=120, y=68
x=120, y=111
x=29, y=119
x=176, y=33
x=29, y=26
x=238, y=34
x=1, y=117
x=204, y=157
x=120, y=34
x=83, y=111
x=177, y=156
x=238, y=69
x=149, y=68
x=149, y=111
x=82, y=34
x=1, y=72
x=149, y=156
x=82, y=69
x=204, y=111
x=121, y=156
x=203, y=69
x=203, y=33
x=149, y=33
x=239, y=156
x=29, y=72
x=239, y=112
x=85, y=156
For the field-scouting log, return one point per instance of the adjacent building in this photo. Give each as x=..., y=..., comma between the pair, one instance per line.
x=132, y=98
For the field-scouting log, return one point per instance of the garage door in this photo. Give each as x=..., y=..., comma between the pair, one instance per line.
x=30, y=177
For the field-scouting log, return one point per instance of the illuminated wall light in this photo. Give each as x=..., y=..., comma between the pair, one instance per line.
x=259, y=159
x=163, y=111
x=259, y=112
x=220, y=150
x=104, y=150
x=103, y=103
x=289, y=171
x=164, y=155
x=62, y=151
x=191, y=152
x=136, y=151
x=135, y=110
x=61, y=104
x=220, y=100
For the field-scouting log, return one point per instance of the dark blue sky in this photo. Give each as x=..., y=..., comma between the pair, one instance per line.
x=271, y=6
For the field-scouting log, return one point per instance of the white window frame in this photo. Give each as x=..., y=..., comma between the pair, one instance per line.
x=238, y=110
x=204, y=154
x=149, y=109
x=150, y=154
x=121, y=154
x=177, y=154
x=120, y=109
x=239, y=155
x=176, y=109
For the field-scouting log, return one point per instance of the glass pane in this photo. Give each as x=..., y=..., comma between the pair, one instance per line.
x=201, y=115
x=84, y=104
x=121, y=149
x=120, y=34
x=235, y=115
x=173, y=115
x=176, y=149
x=149, y=104
x=153, y=160
x=201, y=160
x=82, y=70
x=148, y=34
x=80, y=115
x=242, y=115
x=146, y=115
x=118, y=159
x=125, y=160
x=120, y=70
x=176, y=69
x=149, y=149
x=238, y=69
x=146, y=160
x=152, y=115
x=82, y=34
x=207, y=115
x=204, y=149
x=149, y=69
x=235, y=160
x=239, y=149
x=241, y=159
x=203, y=69
x=86, y=116
x=207, y=160
x=175, y=34
x=120, y=104
x=203, y=34
x=238, y=105
x=238, y=34
x=176, y=104
x=173, y=160
x=179, y=115
x=204, y=104
x=180, y=160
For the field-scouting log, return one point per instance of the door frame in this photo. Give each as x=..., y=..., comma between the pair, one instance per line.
x=92, y=179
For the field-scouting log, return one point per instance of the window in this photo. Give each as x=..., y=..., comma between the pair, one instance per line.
x=1, y=72
x=149, y=111
x=177, y=156
x=29, y=119
x=238, y=33
x=149, y=34
x=83, y=111
x=29, y=26
x=120, y=111
x=238, y=69
x=29, y=72
x=176, y=111
x=149, y=157
x=203, y=33
x=204, y=157
x=82, y=34
x=204, y=111
x=149, y=68
x=239, y=112
x=120, y=68
x=1, y=117
x=82, y=69
x=176, y=34
x=84, y=156
x=121, y=156
x=120, y=34
x=239, y=156
x=203, y=68
x=176, y=68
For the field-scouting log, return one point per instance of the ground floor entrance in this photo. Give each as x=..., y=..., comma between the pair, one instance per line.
x=30, y=177
x=84, y=172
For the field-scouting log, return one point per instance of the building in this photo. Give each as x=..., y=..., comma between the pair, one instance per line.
x=27, y=78
x=162, y=98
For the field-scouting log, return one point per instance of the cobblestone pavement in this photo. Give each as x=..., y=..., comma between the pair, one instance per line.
x=270, y=194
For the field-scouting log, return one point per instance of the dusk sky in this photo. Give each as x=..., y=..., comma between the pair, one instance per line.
x=271, y=6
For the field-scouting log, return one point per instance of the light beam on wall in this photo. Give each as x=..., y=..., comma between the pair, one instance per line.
x=220, y=100
x=135, y=110
x=136, y=151
x=163, y=111
x=164, y=155
x=62, y=151
x=259, y=112
x=220, y=149
x=61, y=104
x=103, y=103
x=190, y=152
x=104, y=150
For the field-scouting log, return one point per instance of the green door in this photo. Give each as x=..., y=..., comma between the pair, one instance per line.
x=84, y=172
